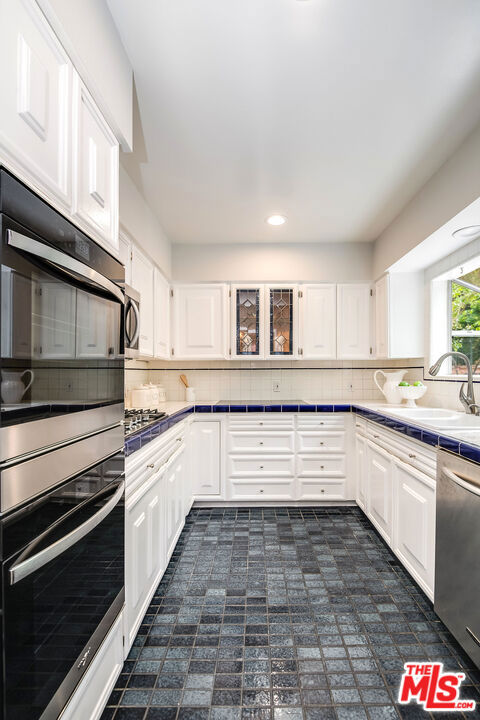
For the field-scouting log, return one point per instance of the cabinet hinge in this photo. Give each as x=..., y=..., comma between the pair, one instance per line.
x=171, y=292
x=300, y=293
x=229, y=293
x=371, y=351
x=173, y=352
x=230, y=352
x=300, y=351
x=371, y=292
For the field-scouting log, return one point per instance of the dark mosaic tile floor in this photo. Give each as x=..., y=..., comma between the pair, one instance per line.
x=282, y=614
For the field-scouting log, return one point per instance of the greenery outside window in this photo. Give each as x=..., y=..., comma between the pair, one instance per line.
x=465, y=320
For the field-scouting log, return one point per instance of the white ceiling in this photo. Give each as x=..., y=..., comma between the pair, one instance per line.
x=331, y=112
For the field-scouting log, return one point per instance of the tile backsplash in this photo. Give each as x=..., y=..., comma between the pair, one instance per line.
x=334, y=380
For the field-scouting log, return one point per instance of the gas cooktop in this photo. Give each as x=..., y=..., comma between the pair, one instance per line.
x=136, y=420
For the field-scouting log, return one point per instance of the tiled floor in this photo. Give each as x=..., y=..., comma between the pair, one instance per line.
x=282, y=614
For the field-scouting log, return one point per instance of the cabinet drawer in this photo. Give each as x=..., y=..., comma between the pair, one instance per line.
x=318, y=466
x=263, y=465
x=321, y=441
x=259, y=489
x=323, y=421
x=413, y=452
x=266, y=421
x=321, y=490
x=261, y=441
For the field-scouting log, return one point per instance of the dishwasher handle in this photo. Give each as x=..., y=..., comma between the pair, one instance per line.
x=462, y=482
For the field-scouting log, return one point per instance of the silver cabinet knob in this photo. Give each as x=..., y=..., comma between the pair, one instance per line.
x=151, y=466
x=261, y=442
x=260, y=423
x=261, y=467
x=412, y=455
x=322, y=467
x=260, y=491
x=322, y=490
x=321, y=442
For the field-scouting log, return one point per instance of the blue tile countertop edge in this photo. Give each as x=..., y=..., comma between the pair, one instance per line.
x=142, y=438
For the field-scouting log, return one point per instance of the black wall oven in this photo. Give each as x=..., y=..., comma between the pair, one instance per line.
x=61, y=452
x=63, y=578
x=62, y=327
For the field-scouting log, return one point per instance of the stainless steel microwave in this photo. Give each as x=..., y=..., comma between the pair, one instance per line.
x=132, y=322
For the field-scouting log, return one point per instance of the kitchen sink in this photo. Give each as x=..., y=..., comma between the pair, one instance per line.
x=459, y=422
x=423, y=413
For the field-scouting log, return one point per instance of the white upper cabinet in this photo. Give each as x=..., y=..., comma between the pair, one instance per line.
x=161, y=315
x=200, y=321
x=247, y=322
x=318, y=322
x=142, y=281
x=353, y=321
x=35, y=135
x=399, y=315
x=95, y=169
x=281, y=321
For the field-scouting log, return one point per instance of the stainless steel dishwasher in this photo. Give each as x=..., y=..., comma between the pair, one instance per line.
x=457, y=553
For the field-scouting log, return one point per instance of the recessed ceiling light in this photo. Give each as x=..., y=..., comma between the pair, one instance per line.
x=276, y=220
x=467, y=233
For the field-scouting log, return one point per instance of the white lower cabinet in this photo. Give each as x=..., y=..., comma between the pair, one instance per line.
x=91, y=695
x=157, y=499
x=380, y=490
x=396, y=489
x=294, y=457
x=414, y=523
x=206, y=457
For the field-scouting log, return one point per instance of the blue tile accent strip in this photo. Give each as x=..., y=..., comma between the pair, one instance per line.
x=471, y=452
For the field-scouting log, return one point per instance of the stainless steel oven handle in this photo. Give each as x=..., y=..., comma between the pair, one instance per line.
x=56, y=257
x=462, y=482
x=134, y=339
x=27, y=567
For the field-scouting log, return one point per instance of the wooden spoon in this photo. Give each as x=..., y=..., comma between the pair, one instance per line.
x=184, y=380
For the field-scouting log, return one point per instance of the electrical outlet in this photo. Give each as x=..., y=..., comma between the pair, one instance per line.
x=69, y=387
x=276, y=387
x=349, y=387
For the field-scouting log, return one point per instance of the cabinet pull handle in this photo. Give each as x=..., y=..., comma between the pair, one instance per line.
x=412, y=455
x=321, y=442
x=260, y=423
x=322, y=467
x=151, y=466
x=376, y=436
x=322, y=490
x=261, y=467
x=261, y=491
x=261, y=442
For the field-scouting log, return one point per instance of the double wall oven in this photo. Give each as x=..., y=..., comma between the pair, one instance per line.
x=61, y=452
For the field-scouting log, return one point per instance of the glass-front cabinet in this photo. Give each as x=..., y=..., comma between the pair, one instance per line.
x=264, y=321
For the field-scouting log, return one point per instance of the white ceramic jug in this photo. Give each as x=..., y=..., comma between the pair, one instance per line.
x=390, y=387
x=12, y=387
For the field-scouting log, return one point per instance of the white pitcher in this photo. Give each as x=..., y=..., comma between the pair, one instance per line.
x=12, y=387
x=390, y=387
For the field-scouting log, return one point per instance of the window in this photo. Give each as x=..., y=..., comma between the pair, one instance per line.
x=465, y=320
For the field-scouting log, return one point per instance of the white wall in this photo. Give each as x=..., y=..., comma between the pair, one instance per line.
x=306, y=262
x=87, y=32
x=142, y=224
x=454, y=186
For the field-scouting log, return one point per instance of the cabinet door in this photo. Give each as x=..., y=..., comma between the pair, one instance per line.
x=95, y=169
x=414, y=537
x=247, y=321
x=161, y=315
x=54, y=320
x=200, y=321
x=174, y=503
x=35, y=109
x=318, y=319
x=142, y=281
x=381, y=317
x=353, y=321
x=281, y=321
x=361, y=466
x=205, y=441
x=380, y=490
x=156, y=551
x=136, y=562
x=125, y=255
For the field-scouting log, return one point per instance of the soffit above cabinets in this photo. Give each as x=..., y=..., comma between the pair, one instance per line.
x=330, y=113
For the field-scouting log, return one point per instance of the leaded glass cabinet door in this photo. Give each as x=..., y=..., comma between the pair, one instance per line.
x=281, y=323
x=247, y=302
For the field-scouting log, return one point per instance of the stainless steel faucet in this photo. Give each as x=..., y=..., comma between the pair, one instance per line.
x=468, y=399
